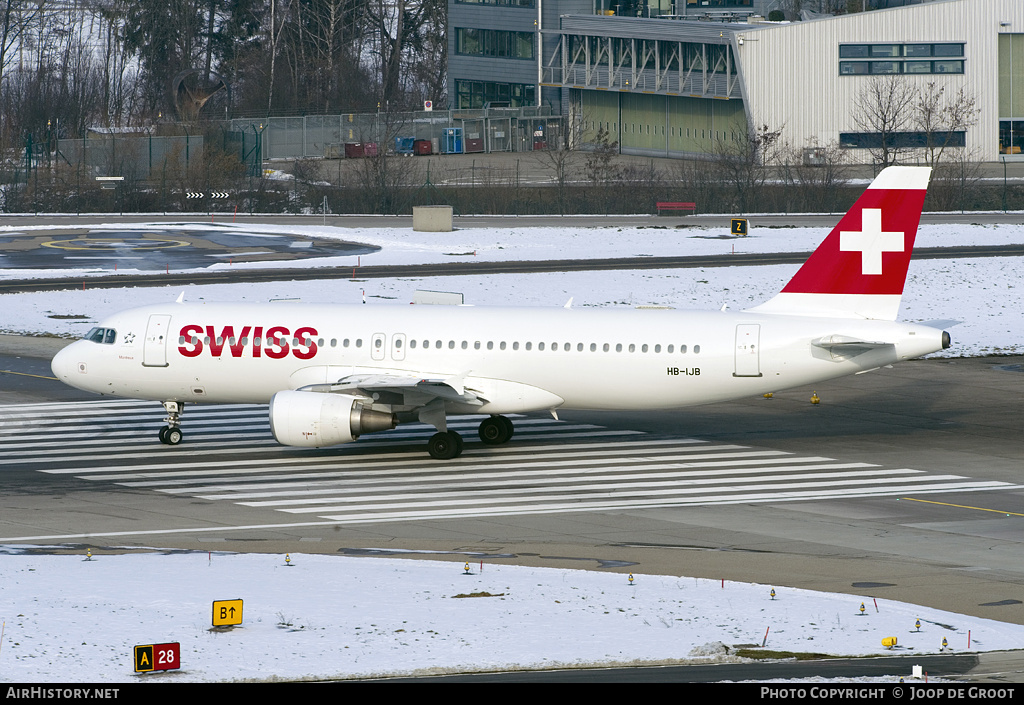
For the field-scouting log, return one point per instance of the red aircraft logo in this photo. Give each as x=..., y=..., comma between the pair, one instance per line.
x=276, y=343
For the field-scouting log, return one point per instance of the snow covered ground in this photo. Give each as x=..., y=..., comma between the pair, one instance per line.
x=522, y=240
x=74, y=620
x=67, y=619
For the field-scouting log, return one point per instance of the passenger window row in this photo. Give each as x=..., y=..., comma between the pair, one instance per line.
x=100, y=335
x=258, y=342
x=554, y=347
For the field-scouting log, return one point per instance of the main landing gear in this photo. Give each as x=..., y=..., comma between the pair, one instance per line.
x=446, y=445
x=171, y=433
x=495, y=430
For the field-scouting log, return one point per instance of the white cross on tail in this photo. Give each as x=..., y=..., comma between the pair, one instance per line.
x=871, y=242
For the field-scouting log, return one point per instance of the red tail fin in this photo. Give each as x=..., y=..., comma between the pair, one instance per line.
x=859, y=270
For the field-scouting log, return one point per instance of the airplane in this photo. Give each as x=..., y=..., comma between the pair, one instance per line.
x=333, y=372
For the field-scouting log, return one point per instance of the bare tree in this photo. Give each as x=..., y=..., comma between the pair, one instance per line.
x=943, y=120
x=427, y=53
x=330, y=29
x=743, y=159
x=815, y=174
x=401, y=28
x=119, y=75
x=387, y=179
x=884, y=109
x=600, y=167
x=16, y=17
x=695, y=181
x=561, y=157
x=276, y=17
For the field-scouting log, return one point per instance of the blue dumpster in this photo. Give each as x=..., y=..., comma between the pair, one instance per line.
x=451, y=140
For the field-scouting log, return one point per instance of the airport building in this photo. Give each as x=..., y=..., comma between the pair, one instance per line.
x=677, y=78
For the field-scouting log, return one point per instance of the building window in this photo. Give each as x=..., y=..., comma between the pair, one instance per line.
x=864, y=59
x=1011, y=136
x=475, y=94
x=503, y=3
x=494, y=43
x=886, y=50
x=902, y=140
x=704, y=4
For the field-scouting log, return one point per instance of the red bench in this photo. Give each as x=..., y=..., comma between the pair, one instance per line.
x=675, y=206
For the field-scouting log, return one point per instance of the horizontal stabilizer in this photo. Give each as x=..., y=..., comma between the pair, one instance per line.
x=831, y=342
x=839, y=348
x=941, y=323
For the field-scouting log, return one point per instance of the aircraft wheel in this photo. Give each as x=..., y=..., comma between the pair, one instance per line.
x=495, y=430
x=458, y=442
x=163, y=434
x=444, y=446
x=509, y=428
x=173, y=436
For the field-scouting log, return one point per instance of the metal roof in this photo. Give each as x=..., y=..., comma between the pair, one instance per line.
x=659, y=29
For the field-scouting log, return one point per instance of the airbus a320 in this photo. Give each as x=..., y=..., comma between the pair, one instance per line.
x=332, y=373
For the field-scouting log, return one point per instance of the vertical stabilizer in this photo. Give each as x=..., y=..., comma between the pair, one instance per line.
x=859, y=270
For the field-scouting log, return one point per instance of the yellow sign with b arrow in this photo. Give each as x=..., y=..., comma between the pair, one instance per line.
x=227, y=613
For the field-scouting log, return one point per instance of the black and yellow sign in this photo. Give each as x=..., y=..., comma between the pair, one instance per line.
x=739, y=227
x=157, y=657
x=227, y=613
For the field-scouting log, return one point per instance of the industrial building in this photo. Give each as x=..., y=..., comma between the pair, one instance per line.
x=682, y=78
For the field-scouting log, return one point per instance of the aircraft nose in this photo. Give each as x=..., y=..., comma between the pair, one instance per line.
x=64, y=364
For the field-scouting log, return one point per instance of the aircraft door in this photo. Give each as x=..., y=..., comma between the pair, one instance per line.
x=748, y=350
x=378, y=345
x=154, y=350
x=398, y=346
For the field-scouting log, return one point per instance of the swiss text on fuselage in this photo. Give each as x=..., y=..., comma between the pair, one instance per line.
x=276, y=342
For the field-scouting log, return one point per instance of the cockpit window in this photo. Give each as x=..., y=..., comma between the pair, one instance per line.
x=106, y=336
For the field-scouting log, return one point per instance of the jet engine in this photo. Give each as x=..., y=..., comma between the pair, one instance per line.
x=315, y=419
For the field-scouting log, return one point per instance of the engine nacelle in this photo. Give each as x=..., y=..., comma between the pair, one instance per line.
x=315, y=419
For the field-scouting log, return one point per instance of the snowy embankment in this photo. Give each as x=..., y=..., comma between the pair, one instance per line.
x=342, y=617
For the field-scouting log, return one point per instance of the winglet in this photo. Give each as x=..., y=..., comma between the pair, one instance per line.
x=859, y=270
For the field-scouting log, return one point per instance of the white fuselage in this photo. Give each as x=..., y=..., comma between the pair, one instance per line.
x=517, y=359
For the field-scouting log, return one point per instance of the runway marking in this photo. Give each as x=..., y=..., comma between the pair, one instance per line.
x=26, y=374
x=114, y=244
x=962, y=506
x=220, y=447
x=349, y=485
x=549, y=467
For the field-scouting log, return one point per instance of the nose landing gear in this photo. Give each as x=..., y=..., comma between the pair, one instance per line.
x=171, y=433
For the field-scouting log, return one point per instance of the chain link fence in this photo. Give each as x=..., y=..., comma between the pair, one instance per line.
x=337, y=136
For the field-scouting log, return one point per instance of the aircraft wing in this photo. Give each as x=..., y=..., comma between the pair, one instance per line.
x=403, y=390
